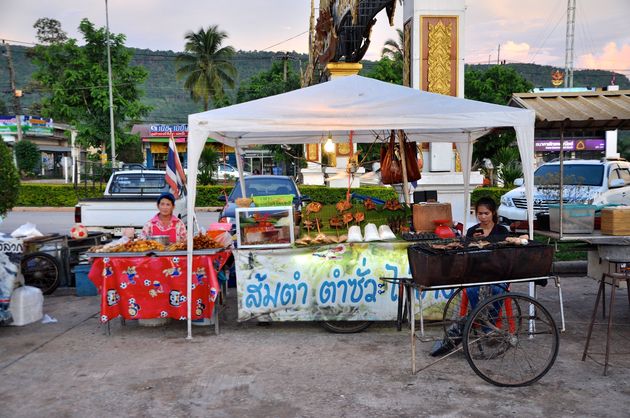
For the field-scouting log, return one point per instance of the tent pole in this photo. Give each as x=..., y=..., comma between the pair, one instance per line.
x=401, y=140
x=561, y=176
x=239, y=165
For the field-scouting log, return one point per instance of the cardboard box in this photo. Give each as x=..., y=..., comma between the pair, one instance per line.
x=425, y=213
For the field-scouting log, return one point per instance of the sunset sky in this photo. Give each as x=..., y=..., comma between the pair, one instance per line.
x=528, y=31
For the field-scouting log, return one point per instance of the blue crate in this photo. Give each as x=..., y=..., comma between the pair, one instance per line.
x=85, y=287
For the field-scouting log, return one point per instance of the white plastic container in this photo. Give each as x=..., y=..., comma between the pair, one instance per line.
x=26, y=306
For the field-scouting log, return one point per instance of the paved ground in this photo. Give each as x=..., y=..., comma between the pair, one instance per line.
x=72, y=368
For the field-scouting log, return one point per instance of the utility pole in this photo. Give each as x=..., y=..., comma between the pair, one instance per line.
x=17, y=106
x=568, y=56
x=499, y=54
x=111, y=98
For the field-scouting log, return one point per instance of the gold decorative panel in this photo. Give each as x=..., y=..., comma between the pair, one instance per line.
x=407, y=51
x=439, y=54
x=343, y=149
x=312, y=152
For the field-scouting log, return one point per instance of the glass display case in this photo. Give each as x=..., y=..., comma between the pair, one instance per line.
x=265, y=227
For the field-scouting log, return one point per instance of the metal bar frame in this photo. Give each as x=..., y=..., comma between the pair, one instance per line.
x=408, y=284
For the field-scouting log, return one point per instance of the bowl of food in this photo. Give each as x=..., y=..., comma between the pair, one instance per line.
x=162, y=239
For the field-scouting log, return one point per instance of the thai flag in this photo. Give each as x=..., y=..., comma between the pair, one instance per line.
x=175, y=176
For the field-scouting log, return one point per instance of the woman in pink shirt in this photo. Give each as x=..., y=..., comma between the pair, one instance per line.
x=164, y=222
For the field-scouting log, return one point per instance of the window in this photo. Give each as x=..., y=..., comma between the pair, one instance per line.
x=574, y=175
x=139, y=184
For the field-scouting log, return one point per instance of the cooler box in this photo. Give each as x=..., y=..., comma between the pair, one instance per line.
x=425, y=213
x=576, y=219
x=27, y=305
x=85, y=287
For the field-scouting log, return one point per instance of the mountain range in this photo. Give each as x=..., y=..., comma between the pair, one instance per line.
x=171, y=103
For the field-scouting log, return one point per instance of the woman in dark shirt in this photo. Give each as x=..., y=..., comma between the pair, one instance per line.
x=486, y=211
x=488, y=227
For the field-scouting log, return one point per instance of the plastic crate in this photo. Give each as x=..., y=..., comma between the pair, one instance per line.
x=85, y=287
x=576, y=219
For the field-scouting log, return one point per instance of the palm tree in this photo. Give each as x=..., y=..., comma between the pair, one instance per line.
x=394, y=49
x=206, y=65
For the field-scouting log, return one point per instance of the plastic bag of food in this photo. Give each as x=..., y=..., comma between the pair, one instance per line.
x=354, y=234
x=371, y=233
x=386, y=233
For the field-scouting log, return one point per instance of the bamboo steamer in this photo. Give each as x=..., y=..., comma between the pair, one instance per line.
x=615, y=220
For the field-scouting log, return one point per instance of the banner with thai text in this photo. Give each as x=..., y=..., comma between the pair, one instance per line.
x=332, y=282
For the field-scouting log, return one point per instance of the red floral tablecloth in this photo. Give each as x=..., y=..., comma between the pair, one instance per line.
x=155, y=287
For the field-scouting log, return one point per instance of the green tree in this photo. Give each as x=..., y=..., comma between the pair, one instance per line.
x=131, y=151
x=623, y=144
x=49, y=31
x=27, y=157
x=206, y=65
x=207, y=165
x=495, y=85
x=387, y=70
x=9, y=180
x=268, y=83
x=75, y=82
x=393, y=49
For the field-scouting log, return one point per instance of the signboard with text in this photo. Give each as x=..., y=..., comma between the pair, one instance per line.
x=570, y=144
x=330, y=282
x=31, y=125
x=168, y=130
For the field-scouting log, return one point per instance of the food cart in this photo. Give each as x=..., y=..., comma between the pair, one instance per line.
x=345, y=106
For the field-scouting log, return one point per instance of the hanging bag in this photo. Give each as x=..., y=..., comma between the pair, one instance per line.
x=391, y=163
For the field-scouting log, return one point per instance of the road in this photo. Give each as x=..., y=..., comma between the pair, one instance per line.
x=49, y=222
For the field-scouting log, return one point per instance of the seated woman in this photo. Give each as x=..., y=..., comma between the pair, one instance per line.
x=486, y=211
x=164, y=222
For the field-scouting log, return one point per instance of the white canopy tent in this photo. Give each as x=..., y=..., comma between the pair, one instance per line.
x=365, y=107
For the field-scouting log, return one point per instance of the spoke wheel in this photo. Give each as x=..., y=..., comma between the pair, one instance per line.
x=346, y=327
x=41, y=270
x=511, y=340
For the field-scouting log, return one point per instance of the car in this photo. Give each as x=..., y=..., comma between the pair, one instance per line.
x=261, y=186
x=596, y=182
x=226, y=172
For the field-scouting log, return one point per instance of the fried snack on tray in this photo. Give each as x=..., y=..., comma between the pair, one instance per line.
x=138, y=246
x=243, y=202
x=200, y=242
x=343, y=206
x=347, y=218
x=392, y=204
x=369, y=204
x=359, y=217
x=313, y=207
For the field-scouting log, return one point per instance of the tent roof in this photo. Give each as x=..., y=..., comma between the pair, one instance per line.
x=577, y=110
x=363, y=105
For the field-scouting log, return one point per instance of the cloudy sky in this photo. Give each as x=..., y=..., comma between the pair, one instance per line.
x=528, y=31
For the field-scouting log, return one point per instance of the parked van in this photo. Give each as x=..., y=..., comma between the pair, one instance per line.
x=600, y=183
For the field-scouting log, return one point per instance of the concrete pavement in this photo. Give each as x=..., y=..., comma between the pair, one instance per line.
x=72, y=368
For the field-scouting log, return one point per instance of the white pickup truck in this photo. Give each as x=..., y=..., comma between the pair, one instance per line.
x=129, y=201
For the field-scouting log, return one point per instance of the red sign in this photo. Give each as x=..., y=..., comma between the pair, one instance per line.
x=155, y=287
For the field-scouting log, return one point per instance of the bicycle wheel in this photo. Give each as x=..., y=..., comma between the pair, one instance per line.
x=511, y=340
x=452, y=313
x=346, y=327
x=41, y=270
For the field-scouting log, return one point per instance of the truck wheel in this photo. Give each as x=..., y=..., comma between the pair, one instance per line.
x=41, y=270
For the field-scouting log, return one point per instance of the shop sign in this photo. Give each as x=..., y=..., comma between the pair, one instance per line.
x=570, y=144
x=332, y=282
x=168, y=130
x=31, y=125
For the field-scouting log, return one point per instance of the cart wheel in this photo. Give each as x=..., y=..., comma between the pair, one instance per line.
x=41, y=270
x=346, y=327
x=511, y=340
x=454, y=315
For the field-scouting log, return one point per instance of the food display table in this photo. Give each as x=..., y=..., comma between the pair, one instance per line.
x=147, y=286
